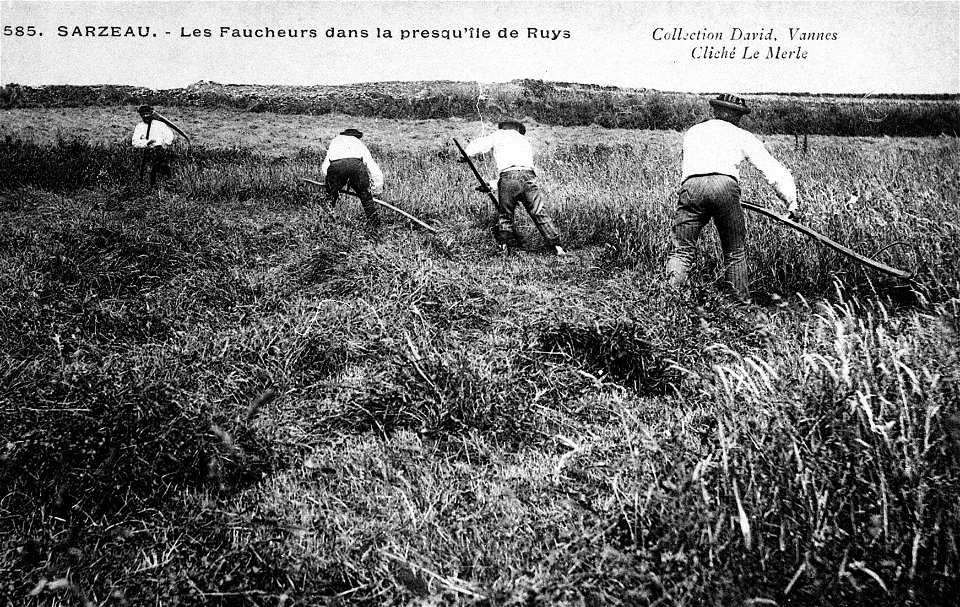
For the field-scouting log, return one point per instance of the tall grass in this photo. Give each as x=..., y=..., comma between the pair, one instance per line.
x=831, y=458
x=225, y=391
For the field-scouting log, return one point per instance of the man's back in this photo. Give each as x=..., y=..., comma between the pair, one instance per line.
x=718, y=147
x=714, y=146
x=345, y=146
x=510, y=149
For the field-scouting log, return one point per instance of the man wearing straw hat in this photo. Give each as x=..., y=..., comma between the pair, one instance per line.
x=710, y=189
x=518, y=183
x=348, y=163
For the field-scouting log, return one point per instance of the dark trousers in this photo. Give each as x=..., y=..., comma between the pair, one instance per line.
x=158, y=160
x=521, y=186
x=702, y=198
x=351, y=172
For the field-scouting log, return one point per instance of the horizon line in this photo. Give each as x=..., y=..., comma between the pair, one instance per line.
x=561, y=82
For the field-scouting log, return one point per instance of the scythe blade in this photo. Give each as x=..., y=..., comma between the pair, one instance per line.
x=167, y=122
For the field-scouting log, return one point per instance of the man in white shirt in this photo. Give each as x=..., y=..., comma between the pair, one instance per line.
x=518, y=183
x=348, y=163
x=153, y=137
x=710, y=189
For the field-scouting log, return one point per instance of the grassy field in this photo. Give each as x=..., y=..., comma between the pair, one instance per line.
x=224, y=392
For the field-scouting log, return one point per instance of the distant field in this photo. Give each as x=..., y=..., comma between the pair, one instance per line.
x=224, y=392
x=284, y=134
x=555, y=103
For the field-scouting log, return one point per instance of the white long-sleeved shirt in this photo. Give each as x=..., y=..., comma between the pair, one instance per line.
x=511, y=150
x=717, y=146
x=346, y=146
x=160, y=134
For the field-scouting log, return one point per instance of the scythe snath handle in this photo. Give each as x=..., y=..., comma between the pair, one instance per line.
x=871, y=263
x=401, y=212
x=486, y=188
x=386, y=205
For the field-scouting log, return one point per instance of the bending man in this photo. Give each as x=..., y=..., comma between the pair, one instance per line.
x=348, y=162
x=710, y=189
x=518, y=183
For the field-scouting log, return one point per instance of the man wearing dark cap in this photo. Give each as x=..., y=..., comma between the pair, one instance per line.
x=349, y=163
x=153, y=136
x=710, y=189
x=518, y=183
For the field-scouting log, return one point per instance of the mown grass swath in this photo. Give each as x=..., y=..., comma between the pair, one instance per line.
x=226, y=391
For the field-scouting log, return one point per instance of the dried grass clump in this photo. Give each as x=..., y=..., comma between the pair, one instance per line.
x=617, y=351
x=444, y=396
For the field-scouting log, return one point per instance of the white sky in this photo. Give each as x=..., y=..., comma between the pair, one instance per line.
x=880, y=47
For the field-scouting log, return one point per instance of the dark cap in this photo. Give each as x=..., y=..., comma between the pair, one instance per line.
x=144, y=110
x=731, y=102
x=352, y=133
x=512, y=123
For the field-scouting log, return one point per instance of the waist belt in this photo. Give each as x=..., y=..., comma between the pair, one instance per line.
x=516, y=169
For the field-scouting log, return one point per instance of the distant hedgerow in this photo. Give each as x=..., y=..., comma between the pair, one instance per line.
x=556, y=103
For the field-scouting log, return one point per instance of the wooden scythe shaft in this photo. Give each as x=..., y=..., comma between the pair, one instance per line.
x=311, y=181
x=876, y=265
x=402, y=212
x=493, y=199
x=384, y=204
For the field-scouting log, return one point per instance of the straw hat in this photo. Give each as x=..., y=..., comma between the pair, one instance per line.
x=512, y=123
x=731, y=102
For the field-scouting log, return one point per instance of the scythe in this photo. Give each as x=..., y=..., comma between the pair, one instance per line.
x=862, y=259
x=385, y=205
